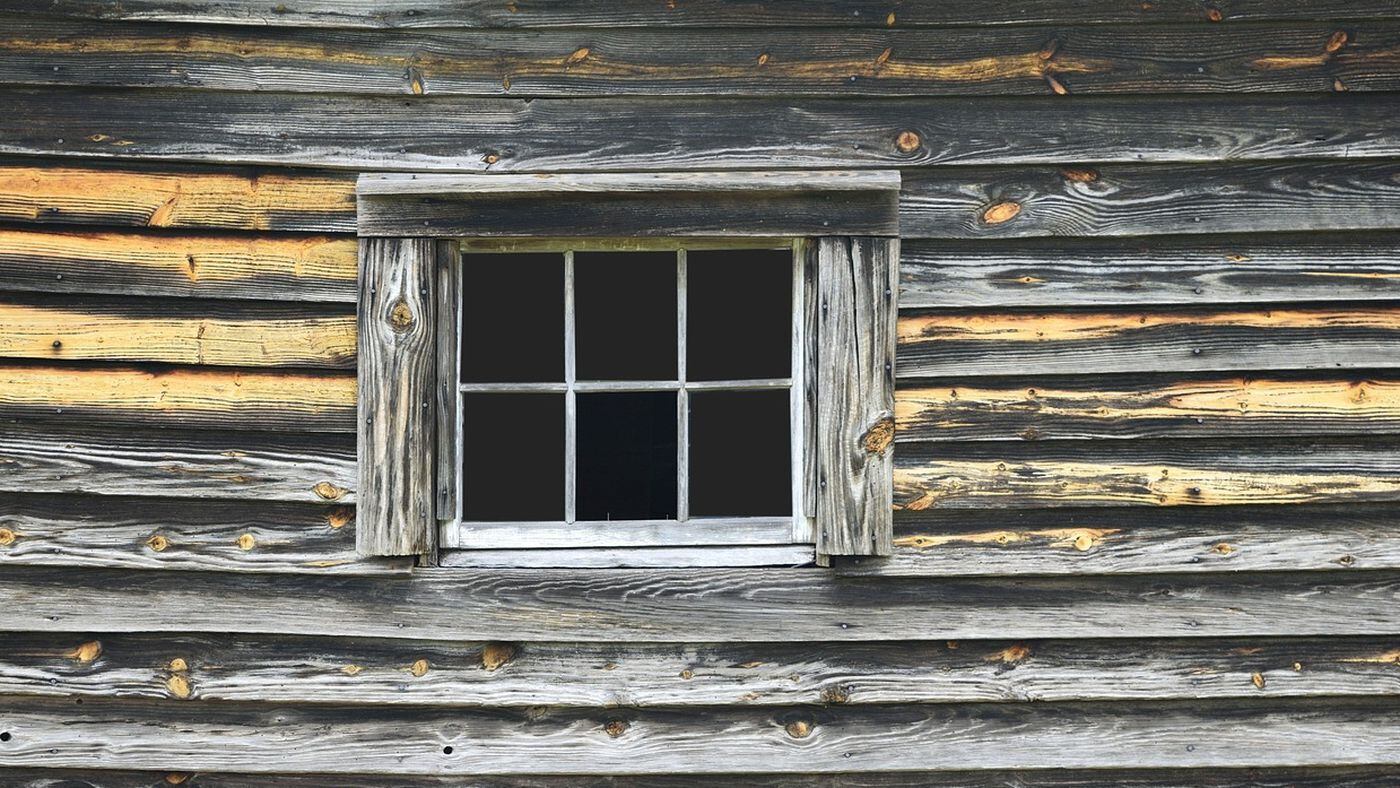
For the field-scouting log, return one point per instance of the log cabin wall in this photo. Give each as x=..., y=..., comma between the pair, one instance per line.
x=1147, y=470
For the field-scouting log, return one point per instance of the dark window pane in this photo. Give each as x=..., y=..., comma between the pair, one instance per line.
x=512, y=318
x=738, y=314
x=740, y=461
x=627, y=456
x=513, y=457
x=625, y=315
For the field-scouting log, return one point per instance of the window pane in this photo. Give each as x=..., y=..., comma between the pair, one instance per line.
x=627, y=456
x=738, y=314
x=740, y=461
x=625, y=314
x=513, y=457
x=512, y=318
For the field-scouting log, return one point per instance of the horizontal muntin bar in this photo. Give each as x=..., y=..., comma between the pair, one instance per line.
x=595, y=386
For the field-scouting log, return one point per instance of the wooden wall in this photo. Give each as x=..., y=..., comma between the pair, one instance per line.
x=1147, y=470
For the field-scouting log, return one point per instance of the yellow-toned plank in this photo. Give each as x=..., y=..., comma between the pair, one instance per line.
x=238, y=199
x=282, y=268
x=1116, y=408
x=1160, y=473
x=238, y=335
x=182, y=397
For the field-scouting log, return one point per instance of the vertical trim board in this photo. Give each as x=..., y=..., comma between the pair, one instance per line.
x=857, y=282
x=396, y=373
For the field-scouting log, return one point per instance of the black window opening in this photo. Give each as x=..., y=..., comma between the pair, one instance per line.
x=657, y=387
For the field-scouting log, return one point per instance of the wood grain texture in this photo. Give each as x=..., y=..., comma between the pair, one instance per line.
x=1318, y=57
x=301, y=671
x=447, y=271
x=1233, y=269
x=857, y=287
x=175, y=197
x=386, y=740
x=178, y=332
x=719, y=13
x=1071, y=541
x=1331, y=777
x=1142, y=406
x=1133, y=473
x=192, y=465
x=275, y=268
x=667, y=205
x=1148, y=341
x=180, y=397
x=638, y=133
x=1117, y=200
x=699, y=605
x=397, y=370
x=128, y=533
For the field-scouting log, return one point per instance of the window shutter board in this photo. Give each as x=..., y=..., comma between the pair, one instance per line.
x=397, y=368
x=857, y=283
x=448, y=302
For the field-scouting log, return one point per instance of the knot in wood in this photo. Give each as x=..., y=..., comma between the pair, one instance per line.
x=907, y=141
x=1011, y=655
x=1257, y=680
x=799, y=729
x=419, y=668
x=1337, y=41
x=494, y=655
x=1079, y=174
x=329, y=492
x=178, y=685
x=178, y=665
x=86, y=653
x=176, y=778
x=879, y=435
x=616, y=728
x=1003, y=211
x=577, y=56
x=340, y=517
x=158, y=543
x=7, y=537
x=836, y=694
x=401, y=316
x=247, y=542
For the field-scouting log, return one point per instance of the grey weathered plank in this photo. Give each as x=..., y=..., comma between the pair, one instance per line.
x=1145, y=473
x=1335, y=336
x=778, y=60
x=180, y=397
x=629, y=134
x=232, y=333
x=766, y=205
x=1005, y=542
x=297, y=670
x=857, y=287
x=387, y=740
x=274, y=268
x=1165, y=270
x=1143, y=406
x=173, y=196
x=446, y=398
x=190, y=465
x=720, y=13
x=651, y=605
x=397, y=369
x=1118, y=199
x=75, y=531
x=1331, y=777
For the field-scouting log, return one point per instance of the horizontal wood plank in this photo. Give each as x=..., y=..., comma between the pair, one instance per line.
x=1127, y=200
x=275, y=268
x=1146, y=407
x=721, y=13
x=698, y=605
x=1233, y=269
x=1290, y=57
x=180, y=397
x=385, y=740
x=1157, y=340
x=628, y=134
x=197, y=465
x=1070, y=541
x=169, y=197
x=178, y=332
x=1134, y=473
x=74, y=531
x=297, y=670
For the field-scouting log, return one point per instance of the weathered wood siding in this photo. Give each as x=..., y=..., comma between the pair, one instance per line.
x=1146, y=474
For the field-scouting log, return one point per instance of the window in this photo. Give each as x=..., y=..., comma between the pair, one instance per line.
x=627, y=370
x=635, y=399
